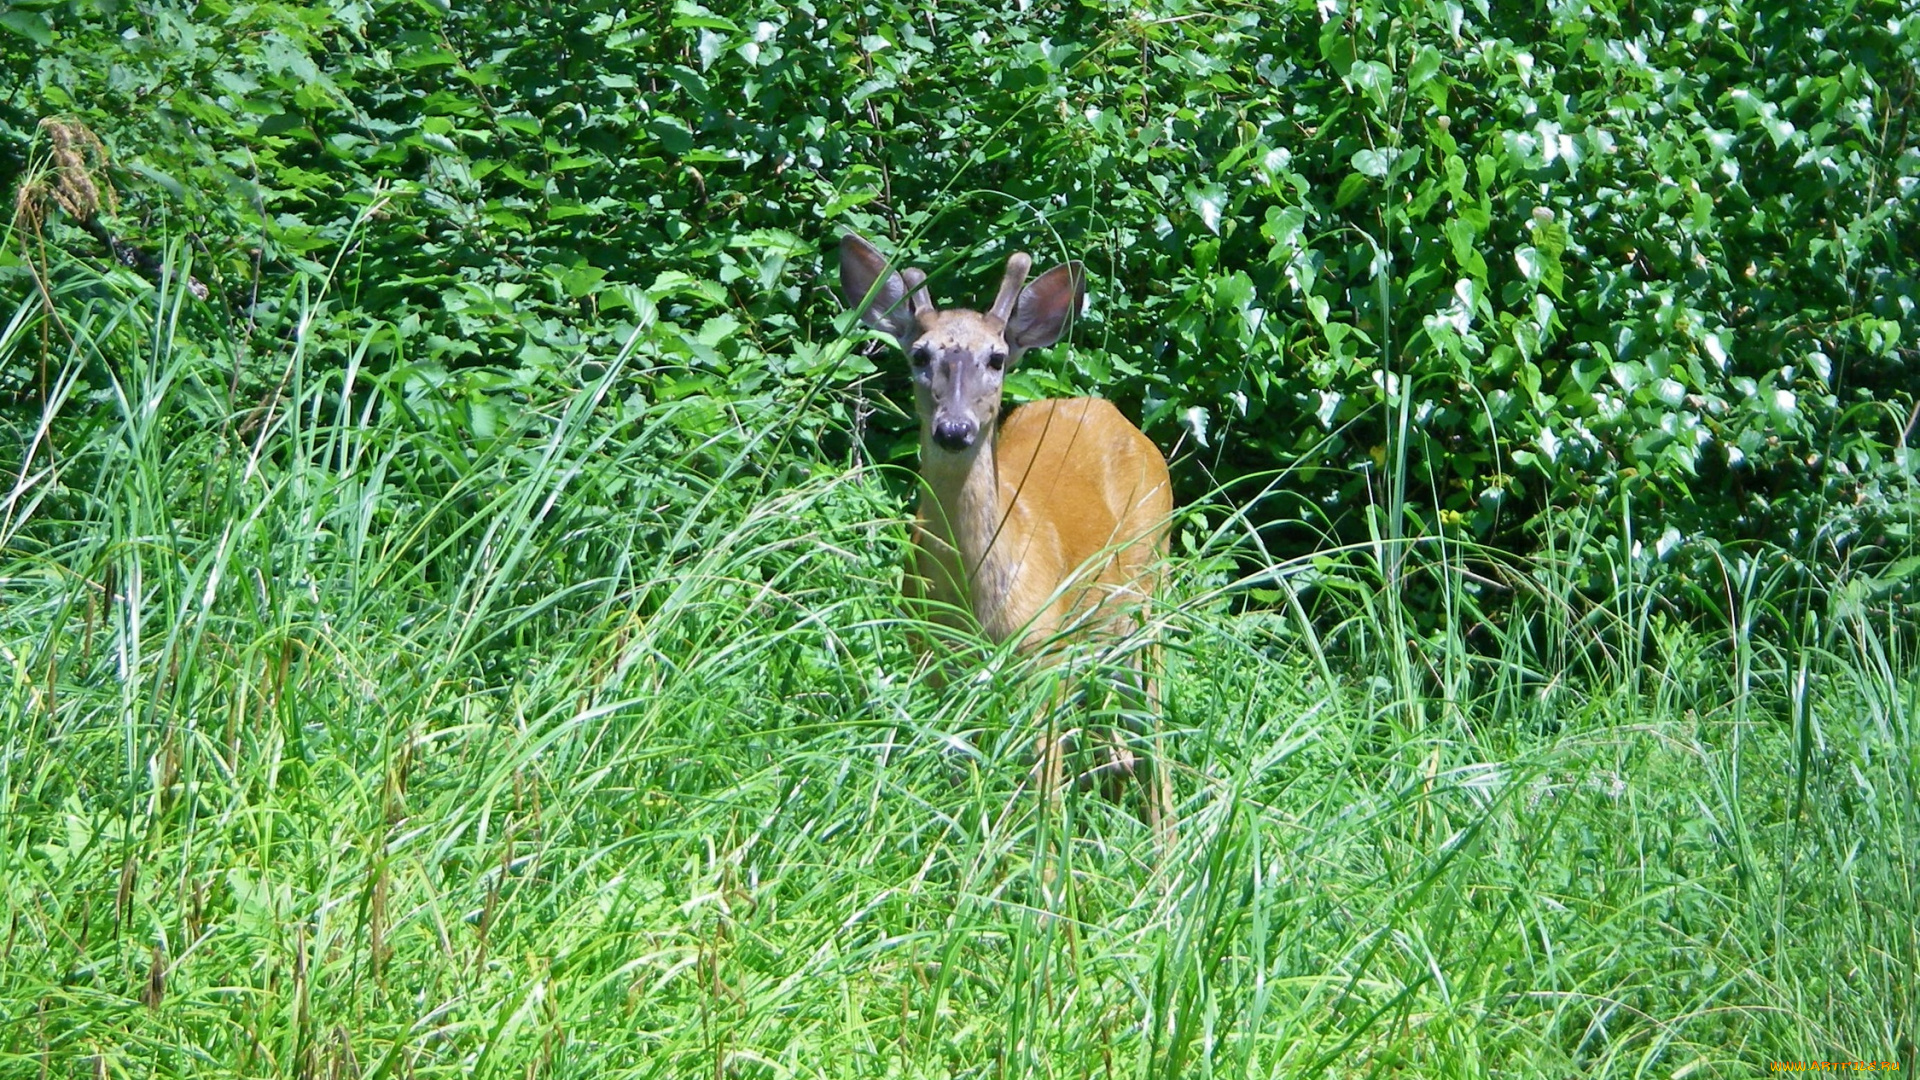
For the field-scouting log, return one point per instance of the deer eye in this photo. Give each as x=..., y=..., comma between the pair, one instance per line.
x=921, y=356
x=996, y=360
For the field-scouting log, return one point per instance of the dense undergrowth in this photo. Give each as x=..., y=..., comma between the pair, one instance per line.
x=449, y=558
x=338, y=742
x=1652, y=258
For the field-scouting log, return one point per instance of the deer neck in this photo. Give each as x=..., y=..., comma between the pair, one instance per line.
x=963, y=509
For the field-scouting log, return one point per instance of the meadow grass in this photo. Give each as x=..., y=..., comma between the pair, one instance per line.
x=340, y=741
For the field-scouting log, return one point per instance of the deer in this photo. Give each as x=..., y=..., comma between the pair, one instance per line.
x=1043, y=529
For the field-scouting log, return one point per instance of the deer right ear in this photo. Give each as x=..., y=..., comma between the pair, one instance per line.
x=886, y=306
x=1040, y=315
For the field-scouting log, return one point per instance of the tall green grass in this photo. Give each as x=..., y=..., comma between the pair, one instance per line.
x=340, y=740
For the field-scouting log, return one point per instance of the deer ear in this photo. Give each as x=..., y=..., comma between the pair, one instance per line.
x=878, y=293
x=1040, y=315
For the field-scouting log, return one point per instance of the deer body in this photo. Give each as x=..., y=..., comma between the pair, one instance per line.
x=1039, y=529
x=1055, y=525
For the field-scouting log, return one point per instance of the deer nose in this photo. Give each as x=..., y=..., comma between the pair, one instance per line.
x=954, y=436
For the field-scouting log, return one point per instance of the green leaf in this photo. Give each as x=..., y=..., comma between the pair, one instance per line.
x=1426, y=64
x=1195, y=418
x=1209, y=201
x=1527, y=258
x=560, y=209
x=1285, y=228
x=694, y=17
x=773, y=242
x=1372, y=163
x=1336, y=48
x=422, y=59
x=1374, y=79
x=673, y=133
x=1273, y=164
x=1350, y=189
x=28, y=24
x=710, y=46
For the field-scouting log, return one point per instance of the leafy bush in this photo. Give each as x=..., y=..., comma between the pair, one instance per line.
x=443, y=633
x=1444, y=269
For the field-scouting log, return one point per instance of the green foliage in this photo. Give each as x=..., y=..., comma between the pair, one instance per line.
x=339, y=740
x=442, y=631
x=1457, y=269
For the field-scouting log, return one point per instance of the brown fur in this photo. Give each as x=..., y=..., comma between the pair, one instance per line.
x=1061, y=521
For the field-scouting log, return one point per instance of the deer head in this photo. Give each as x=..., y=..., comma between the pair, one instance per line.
x=958, y=356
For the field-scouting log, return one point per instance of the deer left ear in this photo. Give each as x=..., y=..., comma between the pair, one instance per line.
x=1041, y=314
